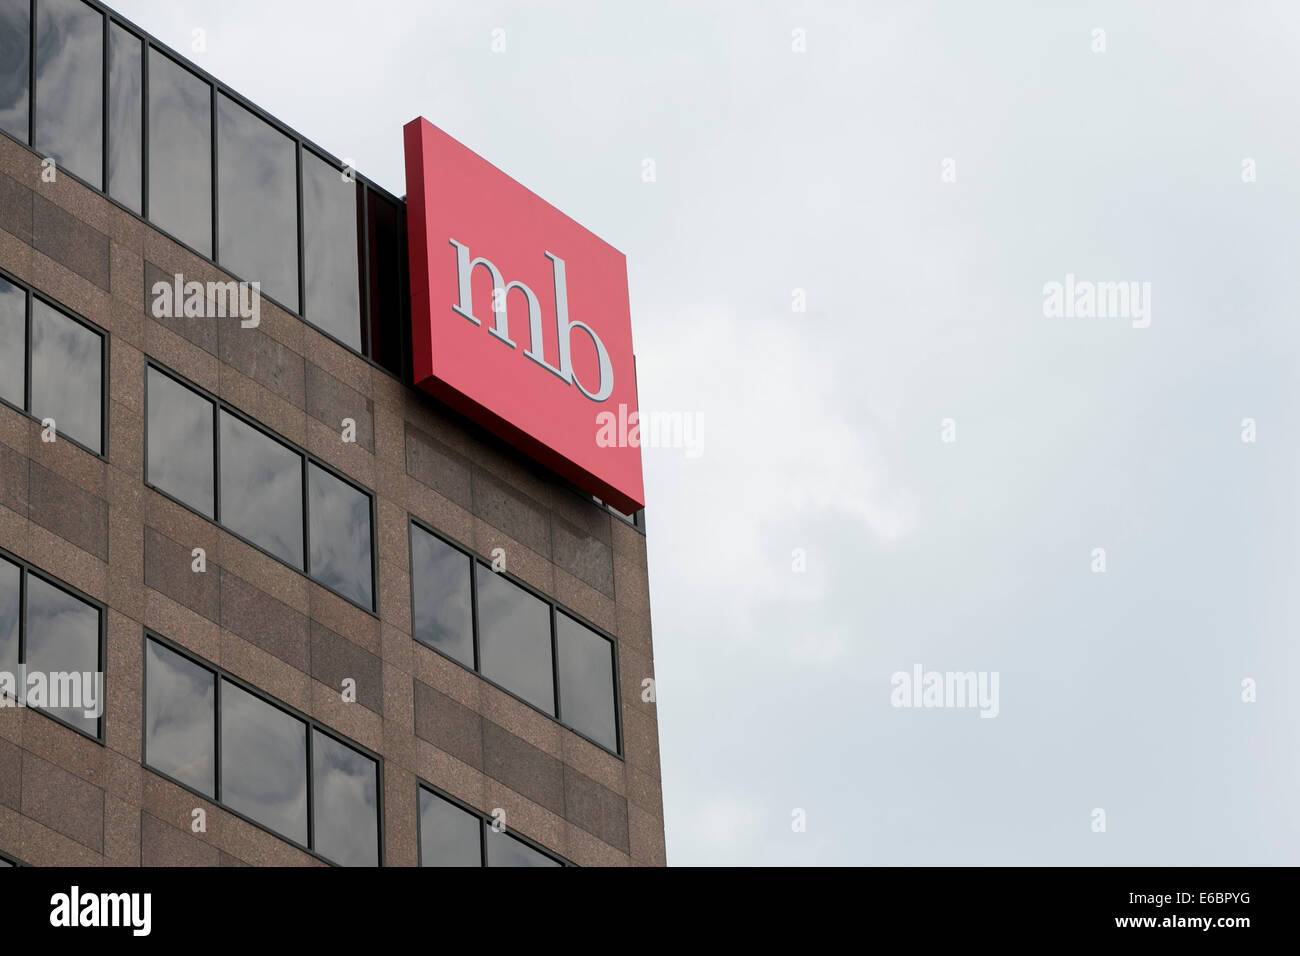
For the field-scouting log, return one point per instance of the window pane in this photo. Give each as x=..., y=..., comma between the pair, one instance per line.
x=13, y=342
x=387, y=255
x=449, y=836
x=180, y=442
x=340, y=535
x=15, y=53
x=180, y=152
x=263, y=763
x=261, y=489
x=505, y=850
x=514, y=639
x=70, y=87
x=180, y=730
x=586, y=662
x=257, y=188
x=332, y=264
x=63, y=638
x=345, y=807
x=440, y=590
x=125, y=117
x=10, y=584
x=67, y=374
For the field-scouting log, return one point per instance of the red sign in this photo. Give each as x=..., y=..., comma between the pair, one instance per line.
x=520, y=316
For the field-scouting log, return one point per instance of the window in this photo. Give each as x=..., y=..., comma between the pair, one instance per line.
x=116, y=110
x=328, y=533
x=180, y=444
x=340, y=535
x=58, y=635
x=255, y=757
x=15, y=70
x=67, y=385
x=61, y=374
x=521, y=642
x=263, y=763
x=585, y=662
x=514, y=639
x=257, y=195
x=180, y=707
x=453, y=835
x=180, y=152
x=331, y=261
x=344, y=802
x=13, y=343
x=261, y=489
x=386, y=232
x=125, y=117
x=503, y=849
x=70, y=87
x=449, y=836
x=11, y=576
x=441, y=598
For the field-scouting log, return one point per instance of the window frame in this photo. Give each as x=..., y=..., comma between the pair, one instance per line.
x=31, y=295
x=484, y=823
x=219, y=674
x=217, y=88
x=305, y=457
x=101, y=647
x=555, y=608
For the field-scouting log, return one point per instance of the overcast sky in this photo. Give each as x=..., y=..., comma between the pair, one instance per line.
x=824, y=171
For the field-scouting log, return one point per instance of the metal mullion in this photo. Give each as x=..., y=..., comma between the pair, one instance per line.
x=363, y=194
x=31, y=78
x=22, y=616
x=482, y=840
x=145, y=49
x=216, y=463
x=473, y=611
x=302, y=278
x=27, y=355
x=216, y=733
x=212, y=90
x=555, y=663
x=104, y=96
x=311, y=786
x=306, y=518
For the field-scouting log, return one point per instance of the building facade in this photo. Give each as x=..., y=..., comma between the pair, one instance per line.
x=263, y=601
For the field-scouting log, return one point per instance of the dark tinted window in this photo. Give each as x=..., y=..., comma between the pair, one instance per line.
x=15, y=53
x=13, y=343
x=70, y=87
x=263, y=763
x=62, y=636
x=440, y=592
x=505, y=850
x=586, y=665
x=387, y=255
x=257, y=189
x=180, y=444
x=261, y=489
x=10, y=591
x=67, y=375
x=180, y=722
x=345, y=808
x=180, y=152
x=515, y=639
x=340, y=535
x=449, y=836
x=125, y=117
x=331, y=264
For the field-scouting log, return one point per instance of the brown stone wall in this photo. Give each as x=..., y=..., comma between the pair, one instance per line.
x=65, y=799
